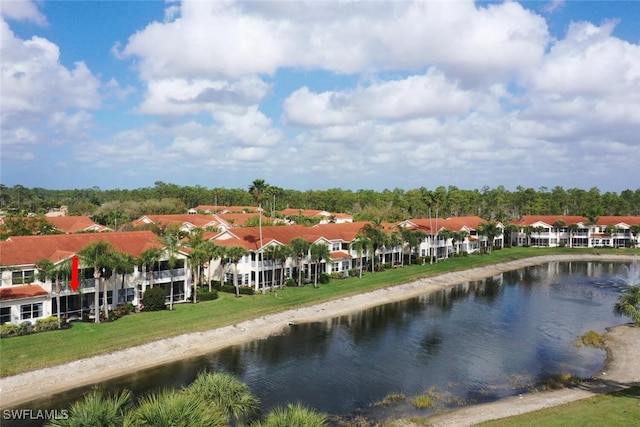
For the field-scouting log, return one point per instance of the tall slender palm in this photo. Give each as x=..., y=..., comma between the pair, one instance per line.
x=319, y=252
x=394, y=239
x=446, y=234
x=257, y=189
x=96, y=255
x=490, y=230
x=635, y=233
x=206, y=252
x=300, y=247
x=235, y=254
x=360, y=244
x=170, y=239
x=123, y=264
x=374, y=232
x=271, y=254
x=47, y=270
x=283, y=253
x=149, y=259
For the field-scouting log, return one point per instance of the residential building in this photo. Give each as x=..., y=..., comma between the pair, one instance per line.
x=576, y=231
x=25, y=297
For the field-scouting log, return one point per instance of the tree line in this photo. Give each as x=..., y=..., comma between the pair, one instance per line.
x=117, y=206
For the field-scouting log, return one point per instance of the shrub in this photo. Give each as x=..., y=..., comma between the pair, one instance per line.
x=121, y=309
x=9, y=330
x=324, y=278
x=153, y=299
x=203, y=294
x=354, y=272
x=244, y=290
x=289, y=281
x=50, y=323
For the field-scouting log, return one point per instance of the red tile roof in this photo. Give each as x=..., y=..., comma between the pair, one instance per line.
x=549, y=219
x=18, y=292
x=197, y=220
x=27, y=250
x=453, y=224
x=616, y=220
x=250, y=237
x=74, y=224
x=240, y=219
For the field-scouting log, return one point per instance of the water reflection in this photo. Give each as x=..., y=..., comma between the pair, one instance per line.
x=480, y=341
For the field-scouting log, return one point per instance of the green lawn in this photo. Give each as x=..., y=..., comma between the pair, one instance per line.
x=621, y=408
x=35, y=351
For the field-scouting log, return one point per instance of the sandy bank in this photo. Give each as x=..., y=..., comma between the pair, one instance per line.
x=32, y=385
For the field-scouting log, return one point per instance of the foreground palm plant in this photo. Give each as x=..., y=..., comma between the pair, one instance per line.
x=174, y=408
x=629, y=304
x=230, y=396
x=294, y=415
x=96, y=410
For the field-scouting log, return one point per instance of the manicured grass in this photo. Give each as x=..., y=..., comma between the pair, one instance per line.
x=21, y=354
x=621, y=408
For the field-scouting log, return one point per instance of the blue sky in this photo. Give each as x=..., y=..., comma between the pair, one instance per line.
x=320, y=94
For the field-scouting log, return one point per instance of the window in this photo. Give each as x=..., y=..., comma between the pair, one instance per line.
x=5, y=315
x=335, y=266
x=336, y=247
x=22, y=277
x=126, y=294
x=30, y=311
x=345, y=265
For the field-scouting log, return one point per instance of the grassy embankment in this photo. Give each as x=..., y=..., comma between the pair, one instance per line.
x=620, y=408
x=21, y=354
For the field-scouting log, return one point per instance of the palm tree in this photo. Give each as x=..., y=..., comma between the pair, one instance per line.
x=635, y=232
x=629, y=304
x=235, y=253
x=257, y=189
x=171, y=408
x=374, y=232
x=394, y=240
x=319, y=252
x=538, y=229
x=282, y=254
x=301, y=249
x=204, y=252
x=149, y=258
x=573, y=228
x=48, y=270
x=97, y=255
x=230, y=395
x=434, y=199
x=490, y=230
x=457, y=237
x=294, y=415
x=122, y=263
x=170, y=240
x=528, y=230
x=360, y=244
x=272, y=254
x=97, y=410
x=446, y=235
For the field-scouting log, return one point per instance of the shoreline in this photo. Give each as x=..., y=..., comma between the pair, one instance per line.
x=23, y=388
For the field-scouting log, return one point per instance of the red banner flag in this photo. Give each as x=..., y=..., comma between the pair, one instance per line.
x=75, y=282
